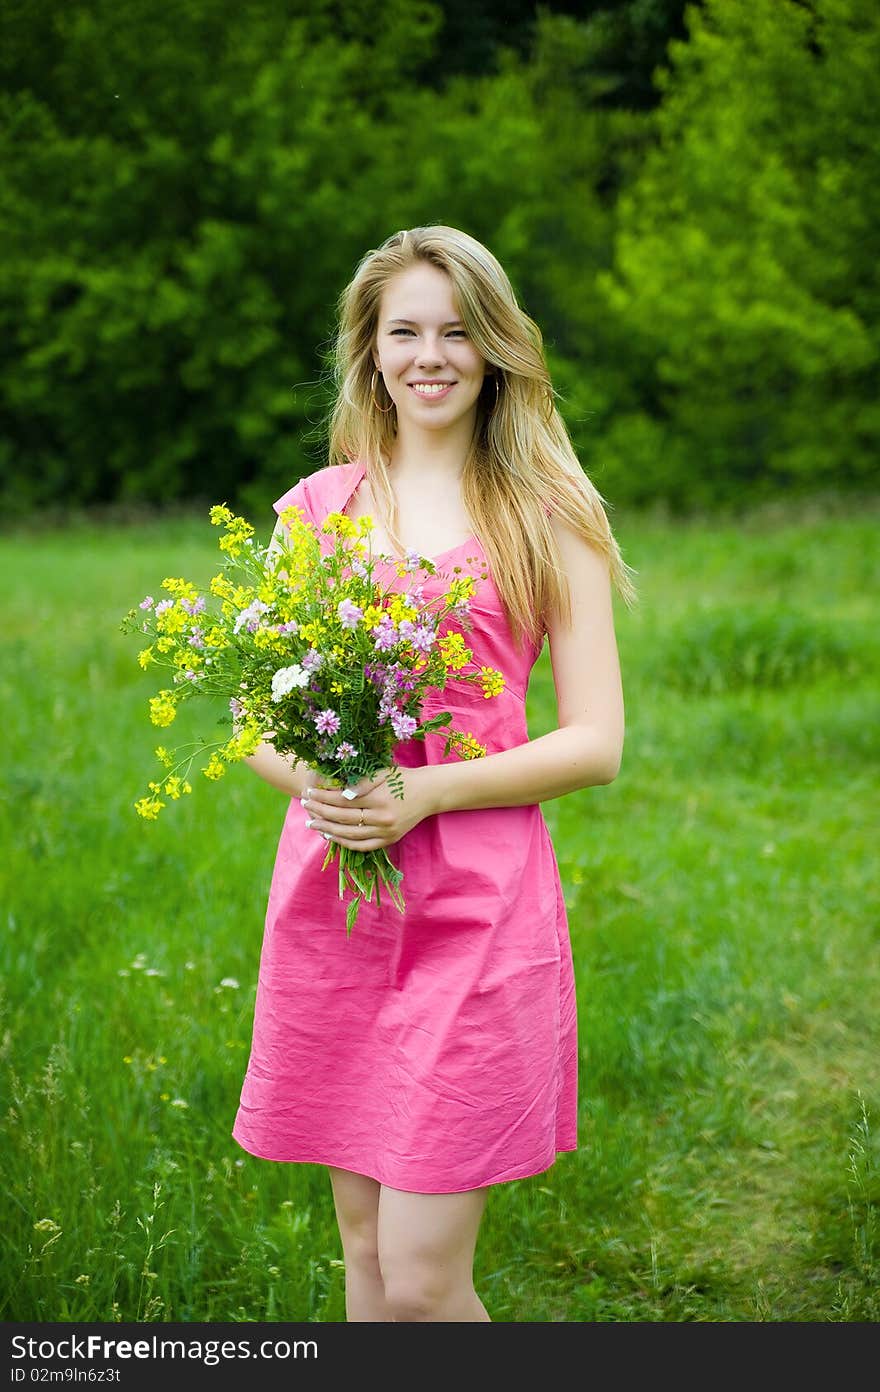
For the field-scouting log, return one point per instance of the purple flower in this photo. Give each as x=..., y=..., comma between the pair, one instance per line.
x=403, y=725
x=327, y=722
x=250, y=617
x=197, y=638
x=147, y=603
x=358, y=567
x=349, y=613
x=163, y=605
x=412, y=560
x=423, y=638
x=346, y=751
x=384, y=634
x=235, y=707
x=312, y=660
x=193, y=606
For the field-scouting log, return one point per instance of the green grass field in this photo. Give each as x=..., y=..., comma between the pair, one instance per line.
x=723, y=904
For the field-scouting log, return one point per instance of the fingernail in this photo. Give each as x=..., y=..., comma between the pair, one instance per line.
x=309, y=822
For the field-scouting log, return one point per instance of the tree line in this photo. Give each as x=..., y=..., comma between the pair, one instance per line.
x=685, y=196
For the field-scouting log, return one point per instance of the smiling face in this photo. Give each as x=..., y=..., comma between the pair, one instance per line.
x=431, y=369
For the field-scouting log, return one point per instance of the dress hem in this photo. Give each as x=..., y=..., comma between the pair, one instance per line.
x=524, y=1171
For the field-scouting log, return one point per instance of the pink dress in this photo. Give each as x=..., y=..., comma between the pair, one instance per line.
x=436, y=1050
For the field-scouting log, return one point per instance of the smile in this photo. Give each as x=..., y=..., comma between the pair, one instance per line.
x=433, y=389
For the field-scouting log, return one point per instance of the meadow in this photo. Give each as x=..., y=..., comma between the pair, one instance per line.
x=723, y=902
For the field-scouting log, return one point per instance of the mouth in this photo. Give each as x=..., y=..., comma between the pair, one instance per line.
x=431, y=391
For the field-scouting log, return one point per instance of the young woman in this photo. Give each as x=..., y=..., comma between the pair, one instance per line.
x=433, y=1054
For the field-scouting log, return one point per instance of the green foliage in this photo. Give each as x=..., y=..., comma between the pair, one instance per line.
x=185, y=198
x=746, y=265
x=729, y=647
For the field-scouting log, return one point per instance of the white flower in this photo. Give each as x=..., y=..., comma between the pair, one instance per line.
x=286, y=678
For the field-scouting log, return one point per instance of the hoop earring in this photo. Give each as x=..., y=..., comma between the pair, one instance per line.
x=383, y=410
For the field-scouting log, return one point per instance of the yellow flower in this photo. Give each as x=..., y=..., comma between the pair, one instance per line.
x=491, y=681
x=163, y=756
x=216, y=638
x=372, y=615
x=453, y=652
x=312, y=632
x=340, y=524
x=242, y=745
x=165, y=644
x=265, y=640
x=221, y=587
x=365, y=524
x=174, y=787
x=215, y=768
x=149, y=808
x=292, y=514
x=146, y=657
x=220, y=514
x=162, y=708
x=460, y=590
x=400, y=610
x=466, y=745
x=172, y=621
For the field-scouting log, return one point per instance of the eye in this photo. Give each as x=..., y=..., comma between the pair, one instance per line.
x=400, y=331
x=457, y=333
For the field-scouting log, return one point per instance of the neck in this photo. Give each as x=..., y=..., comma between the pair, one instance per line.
x=435, y=452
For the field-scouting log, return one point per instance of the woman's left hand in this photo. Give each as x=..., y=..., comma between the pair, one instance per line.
x=374, y=817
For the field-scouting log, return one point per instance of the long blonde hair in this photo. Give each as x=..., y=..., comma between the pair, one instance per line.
x=520, y=465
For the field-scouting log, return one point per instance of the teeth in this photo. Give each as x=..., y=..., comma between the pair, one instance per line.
x=430, y=389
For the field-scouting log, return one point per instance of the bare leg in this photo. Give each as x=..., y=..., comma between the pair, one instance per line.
x=356, y=1199
x=426, y=1255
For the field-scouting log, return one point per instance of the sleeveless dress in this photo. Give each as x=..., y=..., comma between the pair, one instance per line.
x=433, y=1050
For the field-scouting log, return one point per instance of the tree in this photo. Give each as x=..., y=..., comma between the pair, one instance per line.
x=746, y=262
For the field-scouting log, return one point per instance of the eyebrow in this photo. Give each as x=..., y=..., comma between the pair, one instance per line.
x=450, y=323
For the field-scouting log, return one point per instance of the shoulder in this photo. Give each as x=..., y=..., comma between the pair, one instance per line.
x=587, y=570
x=321, y=491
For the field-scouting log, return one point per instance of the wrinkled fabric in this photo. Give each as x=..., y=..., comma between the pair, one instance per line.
x=435, y=1050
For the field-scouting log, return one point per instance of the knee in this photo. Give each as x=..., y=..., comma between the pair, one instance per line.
x=360, y=1247
x=414, y=1292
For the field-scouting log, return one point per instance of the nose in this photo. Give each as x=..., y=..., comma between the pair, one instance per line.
x=430, y=352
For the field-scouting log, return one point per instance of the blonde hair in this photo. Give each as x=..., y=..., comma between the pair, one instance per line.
x=521, y=465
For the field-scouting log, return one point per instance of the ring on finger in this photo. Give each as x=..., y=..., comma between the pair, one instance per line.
x=361, y=822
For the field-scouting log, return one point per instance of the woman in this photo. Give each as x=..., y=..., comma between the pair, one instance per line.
x=434, y=1053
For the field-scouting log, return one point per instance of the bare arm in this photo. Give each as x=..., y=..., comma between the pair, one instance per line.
x=587, y=746
x=284, y=774
x=584, y=750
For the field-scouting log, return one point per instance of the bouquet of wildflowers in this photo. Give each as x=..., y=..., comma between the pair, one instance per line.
x=311, y=653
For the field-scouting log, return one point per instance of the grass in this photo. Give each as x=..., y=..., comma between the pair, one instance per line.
x=722, y=902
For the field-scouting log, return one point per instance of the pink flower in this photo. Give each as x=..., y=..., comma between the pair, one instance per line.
x=403, y=725
x=327, y=722
x=349, y=613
